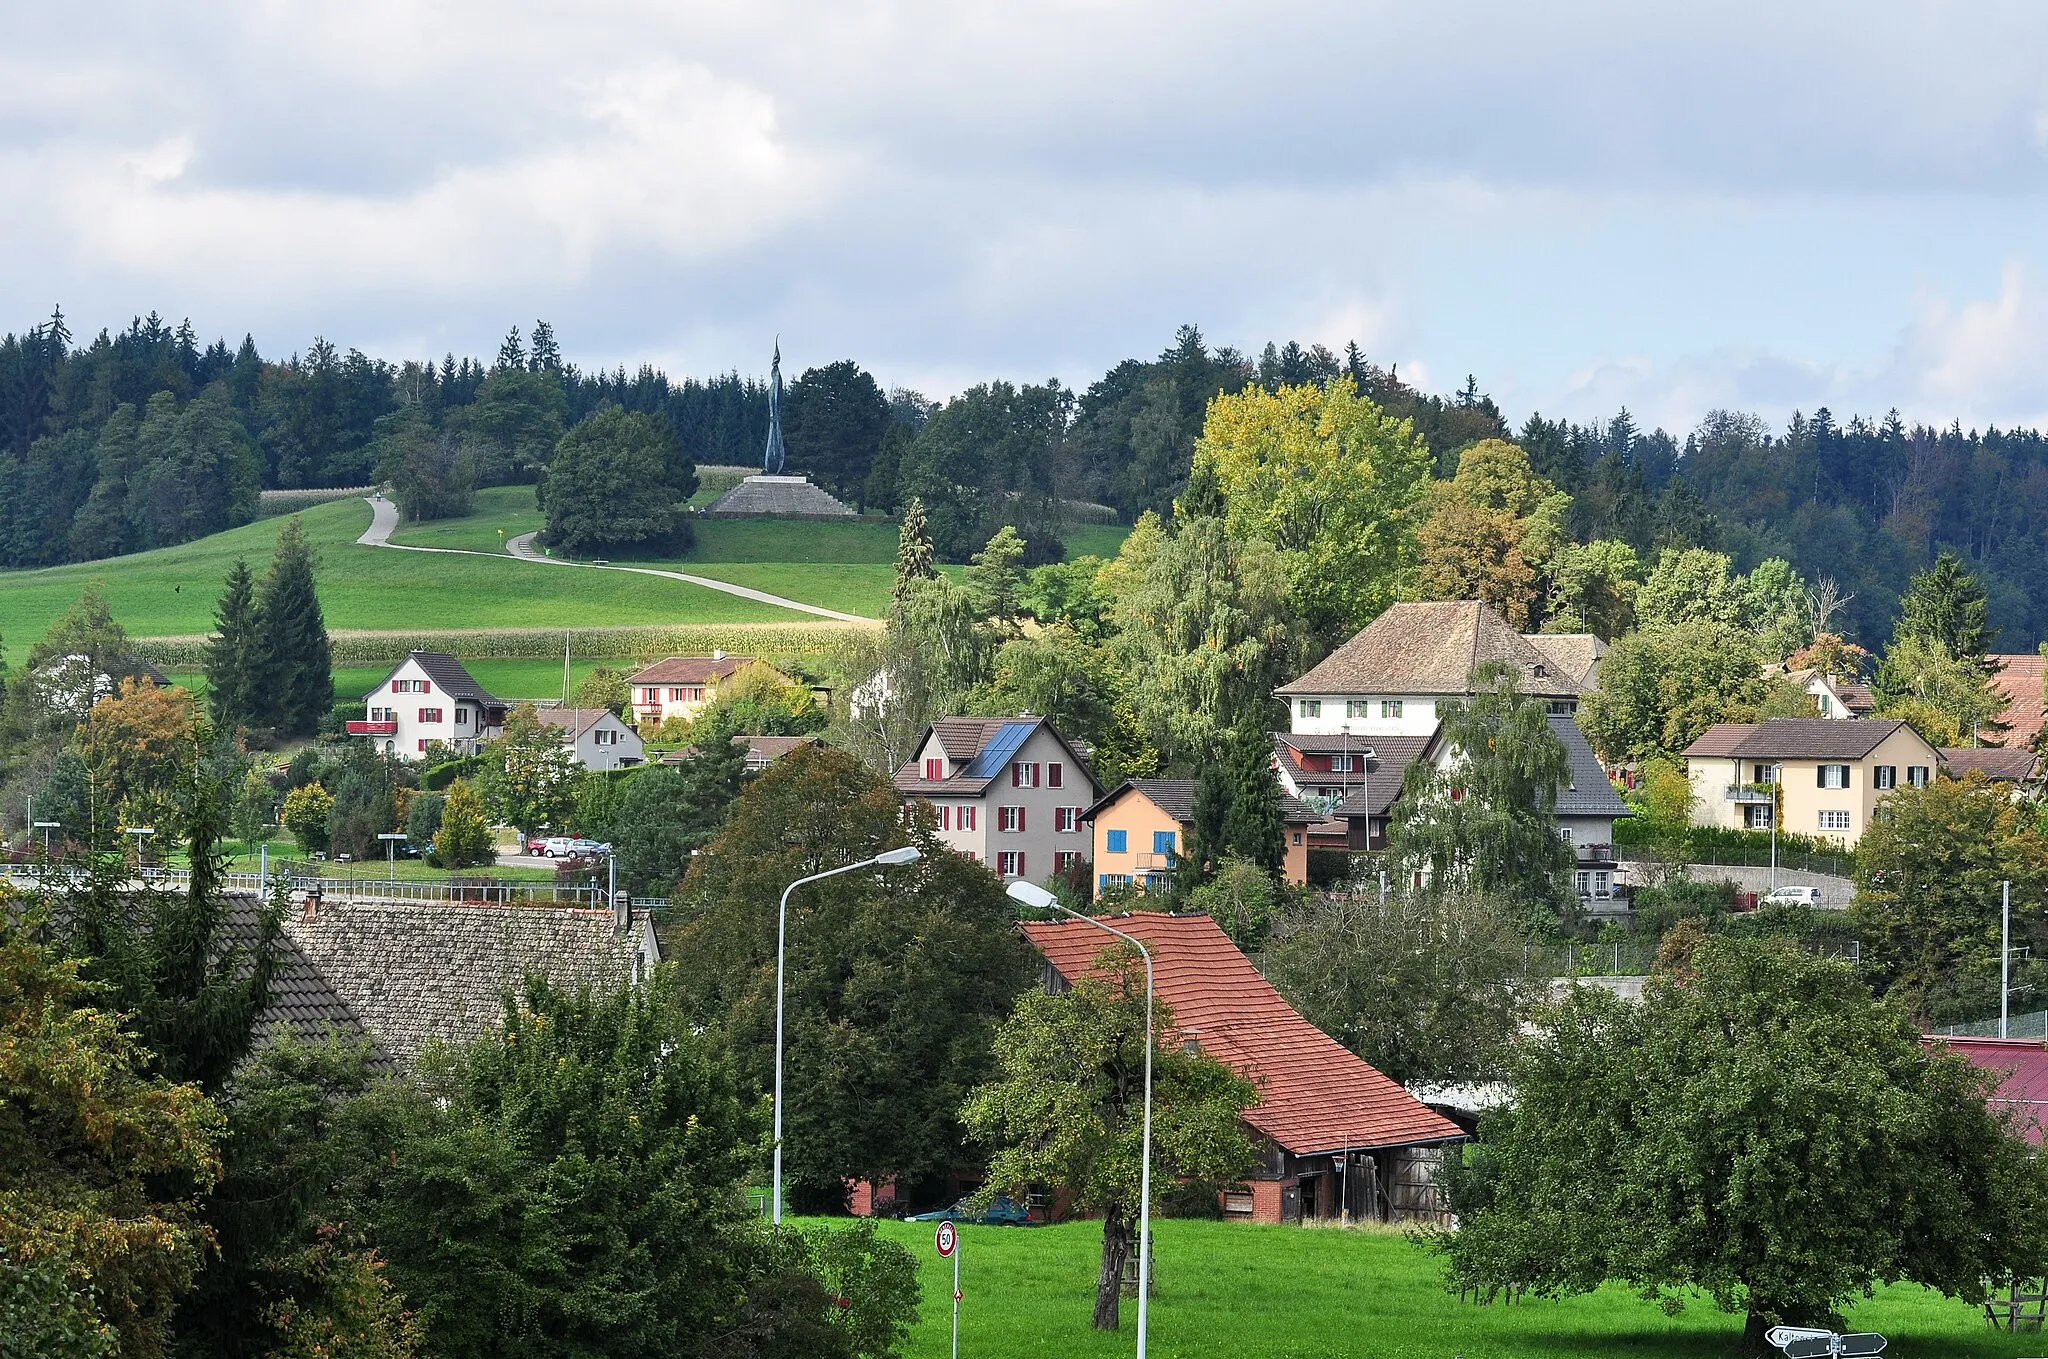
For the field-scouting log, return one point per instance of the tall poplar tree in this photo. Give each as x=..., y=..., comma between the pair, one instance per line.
x=234, y=655
x=297, y=670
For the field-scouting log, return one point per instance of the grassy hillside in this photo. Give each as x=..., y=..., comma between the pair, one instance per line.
x=1235, y=1291
x=173, y=590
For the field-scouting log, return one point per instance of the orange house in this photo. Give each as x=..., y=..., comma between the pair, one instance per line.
x=1141, y=829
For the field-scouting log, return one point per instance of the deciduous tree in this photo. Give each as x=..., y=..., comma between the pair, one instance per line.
x=1066, y=1102
x=1757, y=1128
x=528, y=776
x=465, y=839
x=1662, y=686
x=615, y=482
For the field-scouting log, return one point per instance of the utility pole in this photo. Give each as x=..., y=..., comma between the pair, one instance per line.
x=2005, y=959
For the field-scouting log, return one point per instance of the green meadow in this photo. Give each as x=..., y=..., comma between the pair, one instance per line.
x=1236, y=1291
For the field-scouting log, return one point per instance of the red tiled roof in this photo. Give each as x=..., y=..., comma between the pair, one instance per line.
x=1432, y=648
x=1720, y=739
x=2019, y=679
x=1996, y=763
x=1315, y=1096
x=691, y=669
x=2023, y=1067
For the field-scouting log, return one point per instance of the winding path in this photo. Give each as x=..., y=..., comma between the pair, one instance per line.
x=384, y=520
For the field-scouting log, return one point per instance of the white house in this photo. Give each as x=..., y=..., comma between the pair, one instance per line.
x=429, y=698
x=1008, y=792
x=596, y=738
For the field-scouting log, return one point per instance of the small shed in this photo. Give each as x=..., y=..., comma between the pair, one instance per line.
x=2022, y=1064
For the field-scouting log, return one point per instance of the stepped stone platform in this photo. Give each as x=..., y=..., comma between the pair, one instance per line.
x=782, y=497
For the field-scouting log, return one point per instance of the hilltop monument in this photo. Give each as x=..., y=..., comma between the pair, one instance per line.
x=771, y=493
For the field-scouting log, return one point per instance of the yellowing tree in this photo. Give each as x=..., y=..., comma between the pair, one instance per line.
x=135, y=744
x=1331, y=481
x=1494, y=532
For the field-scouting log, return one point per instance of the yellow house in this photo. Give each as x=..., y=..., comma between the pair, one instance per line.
x=1142, y=827
x=683, y=686
x=1832, y=772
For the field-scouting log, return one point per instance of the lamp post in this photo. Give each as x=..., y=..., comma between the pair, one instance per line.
x=45, y=827
x=1777, y=799
x=140, y=833
x=886, y=859
x=391, y=839
x=1366, y=757
x=1033, y=895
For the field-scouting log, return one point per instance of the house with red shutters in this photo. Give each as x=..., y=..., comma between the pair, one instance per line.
x=1009, y=792
x=429, y=699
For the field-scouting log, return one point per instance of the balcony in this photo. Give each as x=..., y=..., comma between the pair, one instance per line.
x=371, y=728
x=1594, y=854
x=1155, y=863
x=1751, y=792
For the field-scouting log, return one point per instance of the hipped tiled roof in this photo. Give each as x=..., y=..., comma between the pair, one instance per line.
x=1432, y=648
x=1815, y=738
x=1997, y=763
x=1720, y=740
x=1315, y=1096
x=573, y=721
x=2018, y=677
x=1176, y=798
x=1575, y=654
x=690, y=669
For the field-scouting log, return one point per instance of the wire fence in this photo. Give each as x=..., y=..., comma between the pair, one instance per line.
x=2031, y=1025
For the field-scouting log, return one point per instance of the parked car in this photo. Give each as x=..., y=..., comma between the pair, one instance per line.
x=556, y=846
x=538, y=845
x=1794, y=896
x=1003, y=1211
x=582, y=847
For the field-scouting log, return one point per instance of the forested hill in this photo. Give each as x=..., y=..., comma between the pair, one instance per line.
x=145, y=438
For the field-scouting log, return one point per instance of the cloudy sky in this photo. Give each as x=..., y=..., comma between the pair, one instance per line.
x=1767, y=206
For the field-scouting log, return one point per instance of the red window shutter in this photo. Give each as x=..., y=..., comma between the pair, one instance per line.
x=946, y=816
x=1052, y=774
x=1016, y=774
x=935, y=770
x=1020, y=863
x=1020, y=818
x=426, y=686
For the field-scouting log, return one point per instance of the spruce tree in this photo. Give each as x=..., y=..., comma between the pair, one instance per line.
x=1252, y=828
x=297, y=673
x=914, y=554
x=1946, y=604
x=233, y=656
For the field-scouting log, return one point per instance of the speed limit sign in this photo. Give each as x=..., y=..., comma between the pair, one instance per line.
x=947, y=1238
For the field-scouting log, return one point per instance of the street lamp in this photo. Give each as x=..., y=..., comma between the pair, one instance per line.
x=888, y=858
x=45, y=827
x=1030, y=894
x=1365, y=758
x=391, y=839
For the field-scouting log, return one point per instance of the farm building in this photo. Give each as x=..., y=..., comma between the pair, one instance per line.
x=1342, y=1140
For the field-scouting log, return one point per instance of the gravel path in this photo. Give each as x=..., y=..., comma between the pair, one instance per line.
x=384, y=518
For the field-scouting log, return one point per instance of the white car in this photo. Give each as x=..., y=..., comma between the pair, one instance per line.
x=1793, y=896
x=581, y=848
x=558, y=846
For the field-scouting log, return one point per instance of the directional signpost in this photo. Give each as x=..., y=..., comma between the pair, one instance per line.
x=1807, y=1342
x=948, y=1242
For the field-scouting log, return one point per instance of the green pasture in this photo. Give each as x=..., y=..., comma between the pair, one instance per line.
x=510, y=508
x=1236, y=1291
x=173, y=591
x=506, y=679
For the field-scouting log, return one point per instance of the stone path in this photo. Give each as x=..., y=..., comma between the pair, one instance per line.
x=384, y=519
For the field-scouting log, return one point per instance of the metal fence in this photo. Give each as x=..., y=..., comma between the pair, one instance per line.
x=2031, y=1025
x=1634, y=957
x=475, y=892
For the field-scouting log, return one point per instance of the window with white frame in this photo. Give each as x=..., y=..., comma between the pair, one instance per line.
x=1066, y=820
x=1010, y=819
x=1390, y=707
x=1358, y=707
x=1342, y=764
x=1833, y=776
x=430, y=715
x=1023, y=774
x=1917, y=775
x=1834, y=820
x=1757, y=815
x=1884, y=776
x=966, y=818
x=1064, y=859
x=1010, y=863
x=1311, y=707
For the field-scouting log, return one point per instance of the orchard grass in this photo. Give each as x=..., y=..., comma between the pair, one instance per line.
x=1236, y=1291
x=173, y=591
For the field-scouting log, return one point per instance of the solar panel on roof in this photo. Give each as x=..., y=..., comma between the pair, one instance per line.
x=996, y=754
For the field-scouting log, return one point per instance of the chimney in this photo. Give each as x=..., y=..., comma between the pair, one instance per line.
x=717, y=654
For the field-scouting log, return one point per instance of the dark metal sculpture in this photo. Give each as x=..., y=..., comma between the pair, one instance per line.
x=771, y=464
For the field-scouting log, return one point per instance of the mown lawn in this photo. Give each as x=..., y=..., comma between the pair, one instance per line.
x=1231, y=1291
x=173, y=591
x=510, y=508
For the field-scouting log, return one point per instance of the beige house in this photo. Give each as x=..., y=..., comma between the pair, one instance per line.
x=595, y=738
x=1142, y=827
x=1830, y=773
x=681, y=686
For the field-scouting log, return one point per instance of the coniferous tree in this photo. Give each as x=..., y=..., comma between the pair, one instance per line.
x=234, y=656
x=1252, y=828
x=1946, y=604
x=913, y=551
x=297, y=673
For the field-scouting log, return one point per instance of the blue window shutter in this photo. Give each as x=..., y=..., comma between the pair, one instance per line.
x=1118, y=840
x=1162, y=842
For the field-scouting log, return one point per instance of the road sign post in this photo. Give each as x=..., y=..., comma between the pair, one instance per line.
x=948, y=1242
x=1808, y=1342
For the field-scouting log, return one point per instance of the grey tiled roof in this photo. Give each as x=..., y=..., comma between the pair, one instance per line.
x=1590, y=792
x=1176, y=797
x=1576, y=654
x=302, y=1002
x=1431, y=648
x=1997, y=763
x=1815, y=738
x=448, y=676
x=411, y=972
x=1376, y=788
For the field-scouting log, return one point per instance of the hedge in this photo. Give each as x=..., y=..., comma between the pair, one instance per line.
x=830, y=640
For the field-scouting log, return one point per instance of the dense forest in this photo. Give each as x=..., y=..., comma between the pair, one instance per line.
x=144, y=438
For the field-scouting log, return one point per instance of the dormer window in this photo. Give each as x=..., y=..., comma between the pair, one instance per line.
x=935, y=769
x=1538, y=670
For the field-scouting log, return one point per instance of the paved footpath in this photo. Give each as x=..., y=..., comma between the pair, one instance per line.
x=384, y=519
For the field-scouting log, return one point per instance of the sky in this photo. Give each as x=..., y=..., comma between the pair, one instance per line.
x=1767, y=207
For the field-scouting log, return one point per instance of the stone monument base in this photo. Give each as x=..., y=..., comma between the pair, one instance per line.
x=781, y=497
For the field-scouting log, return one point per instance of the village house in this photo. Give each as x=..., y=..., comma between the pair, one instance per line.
x=1142, y=827
x=1008, y=792
x=1830, y=771
x=1835, y=697
x=1339, y=1139
x=1998, y=764
x=429, y=699
x=2018, y=678
x=1352, y=780
x=682, y=686
x=596, y=738
x=1575, y=655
